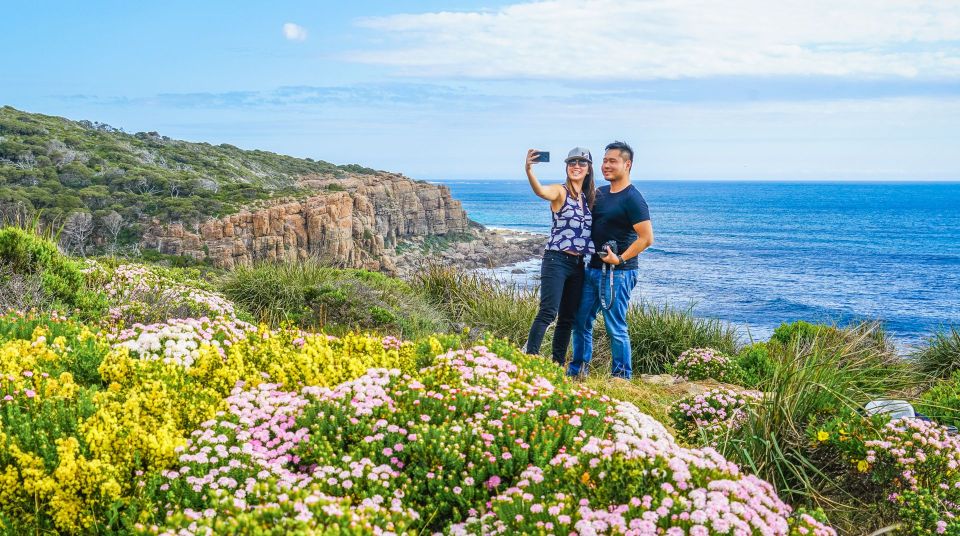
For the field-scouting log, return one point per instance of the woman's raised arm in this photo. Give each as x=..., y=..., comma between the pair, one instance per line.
x=550, y=192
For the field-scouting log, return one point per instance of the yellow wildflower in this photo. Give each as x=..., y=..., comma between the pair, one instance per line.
x=862, y=466
x=823, y=435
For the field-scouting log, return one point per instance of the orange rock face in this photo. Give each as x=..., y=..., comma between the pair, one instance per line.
x=354, y=224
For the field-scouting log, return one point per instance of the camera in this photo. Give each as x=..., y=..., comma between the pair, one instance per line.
x=612, y=244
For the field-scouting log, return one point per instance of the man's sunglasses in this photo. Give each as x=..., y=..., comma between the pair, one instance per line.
x=578, y=162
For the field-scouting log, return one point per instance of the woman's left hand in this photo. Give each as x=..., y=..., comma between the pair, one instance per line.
x=532, y=155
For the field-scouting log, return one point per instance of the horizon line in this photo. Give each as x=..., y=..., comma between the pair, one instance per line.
x=731, y=180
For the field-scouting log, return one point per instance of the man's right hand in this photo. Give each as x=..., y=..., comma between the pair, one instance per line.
x=610, y=257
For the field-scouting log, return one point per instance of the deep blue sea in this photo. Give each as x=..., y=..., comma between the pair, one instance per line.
x=756, y=254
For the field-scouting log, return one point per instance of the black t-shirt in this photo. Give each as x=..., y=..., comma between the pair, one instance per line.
x=614, y=215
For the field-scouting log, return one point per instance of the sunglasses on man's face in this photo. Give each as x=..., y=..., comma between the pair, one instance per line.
x=578, y=162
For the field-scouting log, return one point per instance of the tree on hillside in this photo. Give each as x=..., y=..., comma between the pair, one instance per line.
x=95, y=197
x=76, y=231
x=113, y=223
x=206, y=185
x=142, y=185
x=177, y=188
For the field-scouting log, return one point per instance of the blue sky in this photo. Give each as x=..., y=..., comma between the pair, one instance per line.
x=745, y=89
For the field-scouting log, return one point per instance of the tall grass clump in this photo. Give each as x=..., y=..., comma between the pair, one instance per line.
x=660, y=333
x=813, y=380
x=504, y=310
x=312, y=295
x=867, y=340
x=940, y=357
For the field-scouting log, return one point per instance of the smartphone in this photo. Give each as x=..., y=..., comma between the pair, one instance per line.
x=542, y=156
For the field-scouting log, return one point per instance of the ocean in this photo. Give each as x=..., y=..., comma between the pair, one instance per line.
x=757, y=254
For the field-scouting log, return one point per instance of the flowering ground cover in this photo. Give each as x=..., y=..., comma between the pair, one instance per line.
x=207, y=424
x=704, y=363
x=712, y=413
x=174, y=416
x=141, y=293
x=473, y=444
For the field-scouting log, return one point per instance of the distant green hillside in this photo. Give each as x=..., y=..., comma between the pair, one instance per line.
x=107, y=181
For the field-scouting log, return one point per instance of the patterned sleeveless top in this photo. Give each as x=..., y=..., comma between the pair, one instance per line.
x=571, y=227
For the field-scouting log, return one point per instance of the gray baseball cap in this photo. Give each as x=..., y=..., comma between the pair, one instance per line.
x=579, y=152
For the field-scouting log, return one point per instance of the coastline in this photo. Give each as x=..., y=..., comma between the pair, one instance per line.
x=484, y=248
x=514, y=235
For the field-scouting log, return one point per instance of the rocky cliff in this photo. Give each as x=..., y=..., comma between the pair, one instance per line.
x=352, y=222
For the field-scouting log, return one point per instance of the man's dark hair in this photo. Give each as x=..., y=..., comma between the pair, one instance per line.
x=623, y=148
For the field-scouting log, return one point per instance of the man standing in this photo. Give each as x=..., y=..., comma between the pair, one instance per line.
x=620, y=214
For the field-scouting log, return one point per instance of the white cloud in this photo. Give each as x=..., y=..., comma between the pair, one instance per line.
x=656, y=39
x=294, y=32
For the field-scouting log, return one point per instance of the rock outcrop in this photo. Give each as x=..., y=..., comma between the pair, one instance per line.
x=486, y=248
x=354, y=222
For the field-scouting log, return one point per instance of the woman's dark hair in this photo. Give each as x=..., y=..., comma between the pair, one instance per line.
x=587, y=187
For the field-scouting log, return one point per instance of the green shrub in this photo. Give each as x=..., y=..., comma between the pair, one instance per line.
x=37, y=425
x=60, y=277
x=940, y=357
x=942, y=401
x=799, y=331
x=837, y=448
x=440, y=243
x=866, y=340
x=315, y=296
x=755, y=365
x=921, y=512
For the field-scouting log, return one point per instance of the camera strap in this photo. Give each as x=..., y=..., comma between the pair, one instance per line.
x=603, y=296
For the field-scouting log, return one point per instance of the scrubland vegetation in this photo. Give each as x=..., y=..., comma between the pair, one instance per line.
x=275, y=399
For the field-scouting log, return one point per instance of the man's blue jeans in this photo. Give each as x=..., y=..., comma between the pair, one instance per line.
x=615, y=319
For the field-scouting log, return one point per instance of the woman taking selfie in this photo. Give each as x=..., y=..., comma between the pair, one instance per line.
x=561, y=273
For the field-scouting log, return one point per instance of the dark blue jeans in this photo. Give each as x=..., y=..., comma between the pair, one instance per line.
x=615, y=320
x=561, y=283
